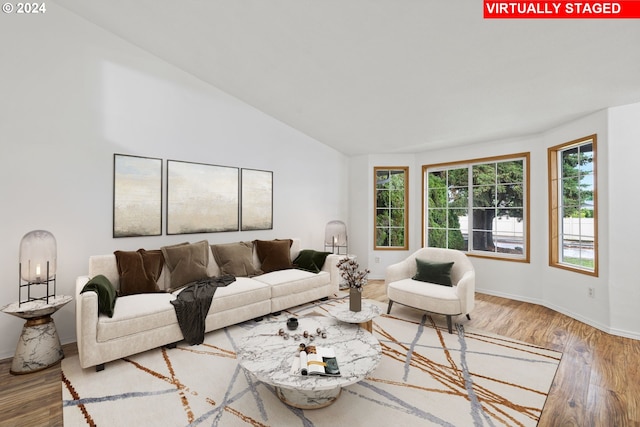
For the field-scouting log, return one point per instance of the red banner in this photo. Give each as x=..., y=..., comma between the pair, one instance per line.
x=625, y=9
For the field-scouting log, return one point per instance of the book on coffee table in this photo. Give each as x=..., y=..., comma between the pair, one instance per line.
x=316, y=361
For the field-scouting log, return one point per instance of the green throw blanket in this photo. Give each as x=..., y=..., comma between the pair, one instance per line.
x=106, y=293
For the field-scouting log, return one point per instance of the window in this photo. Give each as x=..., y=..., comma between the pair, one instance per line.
x=391, y=207
x=573, y=237
x=478, y=206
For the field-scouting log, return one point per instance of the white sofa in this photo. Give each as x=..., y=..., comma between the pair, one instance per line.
x=145, y=321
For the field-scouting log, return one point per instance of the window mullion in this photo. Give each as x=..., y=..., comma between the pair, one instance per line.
x=470, y=224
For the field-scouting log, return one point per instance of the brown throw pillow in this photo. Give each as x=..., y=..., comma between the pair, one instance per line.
x=274, y=254
x=235, y=259
x=133, y=277
x=187, y=263
x=153, y=262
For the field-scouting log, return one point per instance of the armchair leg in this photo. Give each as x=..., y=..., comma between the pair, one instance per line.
x=468, y=317
x=449, y=324
x=100, y=367
x=389, y=307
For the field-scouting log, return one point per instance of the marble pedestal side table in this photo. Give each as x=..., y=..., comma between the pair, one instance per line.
x=39, y=345
x=364, y=317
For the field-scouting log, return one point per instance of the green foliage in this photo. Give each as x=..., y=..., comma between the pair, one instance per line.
x=577, y=181
x=444, y=225
x=390, y=204
x=580, y=262
x=498, y=190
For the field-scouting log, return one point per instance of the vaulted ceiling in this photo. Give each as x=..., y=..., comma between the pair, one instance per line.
x=387, y=76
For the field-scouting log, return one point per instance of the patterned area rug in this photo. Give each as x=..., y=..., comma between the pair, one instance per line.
x=426, y=377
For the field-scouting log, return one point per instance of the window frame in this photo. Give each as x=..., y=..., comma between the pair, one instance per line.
x=405, y=170
x=525, y=157
x=555, y=205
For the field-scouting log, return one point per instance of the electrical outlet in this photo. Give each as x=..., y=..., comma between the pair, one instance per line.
x=592, y=293
x=377, y=260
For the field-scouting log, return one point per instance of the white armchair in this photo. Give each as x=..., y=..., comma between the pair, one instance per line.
x=452, y=300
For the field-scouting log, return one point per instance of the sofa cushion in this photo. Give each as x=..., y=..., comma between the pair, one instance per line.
x=433, y=272
x=235, y=259
x=310, y=260
x=133, y=276
x=426, y=296
x=244, y=291
x=274, y=255
x=137, y=313
x=107, y=265
x=186, y=262
x=286, y=282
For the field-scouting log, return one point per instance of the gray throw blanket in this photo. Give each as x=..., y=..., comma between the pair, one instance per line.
x=192, y=306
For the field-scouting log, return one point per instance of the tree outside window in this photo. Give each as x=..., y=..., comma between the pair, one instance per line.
x=573, y=207
x=391, y=210
x=479, y=206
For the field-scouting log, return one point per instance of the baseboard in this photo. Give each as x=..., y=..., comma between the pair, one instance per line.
x=602, y=327
x=510, y=296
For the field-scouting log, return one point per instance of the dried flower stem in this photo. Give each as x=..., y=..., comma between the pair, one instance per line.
x=349, y=272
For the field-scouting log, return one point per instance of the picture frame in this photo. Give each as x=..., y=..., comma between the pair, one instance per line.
x=257, y=200
x=202, y=198
x=137, y=196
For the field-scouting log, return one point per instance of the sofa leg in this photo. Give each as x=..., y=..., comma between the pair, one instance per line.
x=389, y=307
x=100, y=367
x=258, y=319
x=449, y=324
x=172, y=345
x=324, y=299
x=468, y=317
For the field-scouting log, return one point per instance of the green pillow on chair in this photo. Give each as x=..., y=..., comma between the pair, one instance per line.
x=434, y=272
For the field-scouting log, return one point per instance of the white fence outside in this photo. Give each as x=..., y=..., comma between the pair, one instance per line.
x=510, y=227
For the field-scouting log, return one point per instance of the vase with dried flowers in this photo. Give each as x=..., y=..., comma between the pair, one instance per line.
x=356, y=279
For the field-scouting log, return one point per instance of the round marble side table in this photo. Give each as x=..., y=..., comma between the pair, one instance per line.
x=364, y=317
x=39, y=345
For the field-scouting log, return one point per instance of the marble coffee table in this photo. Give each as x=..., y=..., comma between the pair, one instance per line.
x=269, y=357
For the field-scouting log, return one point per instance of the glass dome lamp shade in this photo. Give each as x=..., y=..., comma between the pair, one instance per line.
x=335, y=233
x=38, y=256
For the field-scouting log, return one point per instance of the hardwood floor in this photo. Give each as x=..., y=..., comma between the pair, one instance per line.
x=32, y=400
x=597, y=383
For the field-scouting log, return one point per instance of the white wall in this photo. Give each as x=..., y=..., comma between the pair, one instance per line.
x=72, y=95
x=617, y=289
x=624, y=206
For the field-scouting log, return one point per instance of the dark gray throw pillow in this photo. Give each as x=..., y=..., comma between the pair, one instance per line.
x=433, y=272
x=235, y=259
x=187, y=263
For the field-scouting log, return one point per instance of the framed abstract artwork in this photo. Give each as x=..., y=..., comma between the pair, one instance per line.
x=202, y=198
x=257, y=200
x=137, y=196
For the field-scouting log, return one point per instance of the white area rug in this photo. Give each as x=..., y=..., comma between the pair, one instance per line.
x=426, y=377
